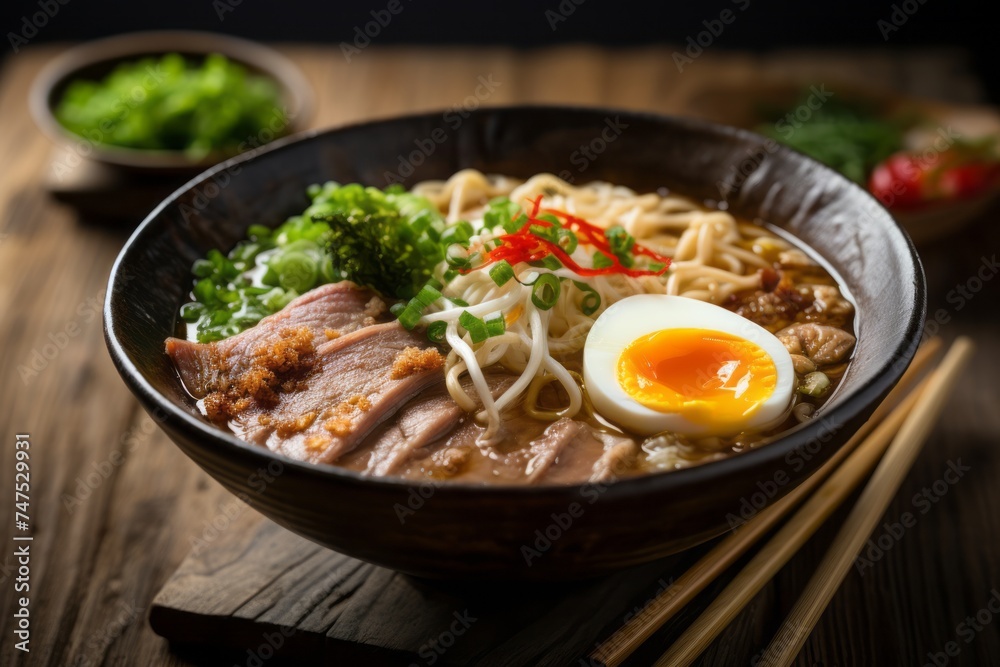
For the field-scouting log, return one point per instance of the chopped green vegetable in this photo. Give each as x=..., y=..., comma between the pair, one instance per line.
x=621, y=243
x=501, y=272
x=436, y=331
x=545, y=291
x=591, y=301
x=849, y=137
x=502, y=212
x=496, y=325
x=477, y=329
x=815, y=384
x=175, y=104
x=389, y=241
x=601, y=261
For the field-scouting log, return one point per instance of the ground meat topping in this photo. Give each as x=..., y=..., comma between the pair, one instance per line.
x=414, y=360
x=276, y=367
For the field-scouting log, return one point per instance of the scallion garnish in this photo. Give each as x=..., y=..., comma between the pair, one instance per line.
x=436, y=331
x=545, y=291
x=475, y=326
x=591, y=301
x=501, y=272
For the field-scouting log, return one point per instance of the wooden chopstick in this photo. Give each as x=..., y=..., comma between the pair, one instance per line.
x=613, y=651
x=871, y=505
x=773, y=555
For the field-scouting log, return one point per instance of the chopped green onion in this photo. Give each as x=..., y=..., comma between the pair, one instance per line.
x=436, y=331
x=621, y=243
x=545, y=291
x=202, y=268
x=462, y=303
x=396, y=308
x=591, y=301
x=204, y=291
x=259, y=232
x=475, y=326
x=296, y=270
x=427, y=295
x=495, y=324
x=550, y=262
x=602, y=261
x=410, y=316
x=192, y=311
x=457, y=257
x=567, y=240
x=501, y=272
x=502, y=212
x=460, y=233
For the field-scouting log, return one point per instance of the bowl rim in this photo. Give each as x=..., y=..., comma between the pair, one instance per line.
x=850, y=406
x=296, y=92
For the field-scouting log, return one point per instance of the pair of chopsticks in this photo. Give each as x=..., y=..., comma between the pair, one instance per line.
x=897, y=429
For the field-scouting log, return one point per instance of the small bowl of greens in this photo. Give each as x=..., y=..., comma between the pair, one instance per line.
x=171, y=101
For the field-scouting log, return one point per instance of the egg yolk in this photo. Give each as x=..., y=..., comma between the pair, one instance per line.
x=712, y=378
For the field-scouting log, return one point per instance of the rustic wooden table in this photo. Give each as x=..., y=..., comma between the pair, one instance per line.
x=115, y=506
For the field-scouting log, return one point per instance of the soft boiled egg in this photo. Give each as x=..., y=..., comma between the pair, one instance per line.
x=655, y=363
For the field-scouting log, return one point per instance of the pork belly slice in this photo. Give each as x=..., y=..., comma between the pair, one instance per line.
x=566, y=453
x=421, y=422
x=353, y=384
x=327, y=312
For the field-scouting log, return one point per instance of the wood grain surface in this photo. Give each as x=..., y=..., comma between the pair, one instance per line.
x=115, y=507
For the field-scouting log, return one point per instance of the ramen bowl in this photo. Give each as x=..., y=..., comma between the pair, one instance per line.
x=455, y=530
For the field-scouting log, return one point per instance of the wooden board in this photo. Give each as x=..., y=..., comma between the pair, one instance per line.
x=259, y=585
x=116, y=507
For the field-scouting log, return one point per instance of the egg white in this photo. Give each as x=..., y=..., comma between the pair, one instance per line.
x=636, y=316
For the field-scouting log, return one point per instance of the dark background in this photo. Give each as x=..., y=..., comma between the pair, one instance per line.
x=523, y=23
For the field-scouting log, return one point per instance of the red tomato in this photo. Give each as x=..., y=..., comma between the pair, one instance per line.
x=911, y=180
x=898, y=182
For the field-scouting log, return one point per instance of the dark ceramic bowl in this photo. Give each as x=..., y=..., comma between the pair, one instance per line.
x=459, y=530
x=94, y=60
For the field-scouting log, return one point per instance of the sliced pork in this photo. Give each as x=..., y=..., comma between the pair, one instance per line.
x=326, y=312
